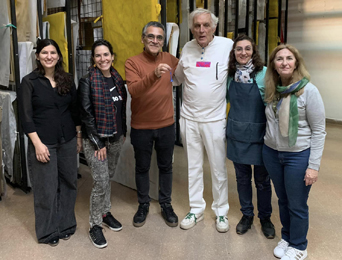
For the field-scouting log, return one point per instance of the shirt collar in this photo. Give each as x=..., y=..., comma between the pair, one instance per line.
x=35, y=74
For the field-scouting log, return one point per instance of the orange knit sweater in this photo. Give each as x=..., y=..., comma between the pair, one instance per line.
x=152, y=103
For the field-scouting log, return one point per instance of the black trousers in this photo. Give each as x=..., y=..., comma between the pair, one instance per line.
x=54, y=187
x=163, y=140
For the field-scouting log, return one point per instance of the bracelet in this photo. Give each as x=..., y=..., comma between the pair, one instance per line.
x=79, y=132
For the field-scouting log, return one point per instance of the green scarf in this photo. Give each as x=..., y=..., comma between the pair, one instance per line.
x=288, y=110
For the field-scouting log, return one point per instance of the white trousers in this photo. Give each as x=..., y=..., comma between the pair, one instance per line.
x=195, y=137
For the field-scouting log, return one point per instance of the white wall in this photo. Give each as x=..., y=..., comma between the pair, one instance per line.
x=315, y=28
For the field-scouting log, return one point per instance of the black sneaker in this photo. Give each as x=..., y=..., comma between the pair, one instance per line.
x=111, y=222
x=244, y=224
x=96, y=236
x=267, y=228
x=140, y=217
x=169, y=215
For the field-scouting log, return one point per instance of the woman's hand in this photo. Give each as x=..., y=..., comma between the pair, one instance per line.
x=42, y=153
x=79, y=145
x=311, y=176
x=101, y=154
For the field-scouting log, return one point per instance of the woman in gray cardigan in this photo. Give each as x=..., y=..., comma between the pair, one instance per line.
x=294, y=142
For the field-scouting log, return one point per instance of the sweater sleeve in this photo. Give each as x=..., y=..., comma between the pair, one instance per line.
x=315, y=114
x=137, y=84
x=174, y=62
x=179, y=76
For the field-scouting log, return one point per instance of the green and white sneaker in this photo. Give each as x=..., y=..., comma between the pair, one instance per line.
x=191, y=220
x=222, y=224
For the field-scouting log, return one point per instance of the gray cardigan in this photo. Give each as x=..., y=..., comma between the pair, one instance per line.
x=311, y=127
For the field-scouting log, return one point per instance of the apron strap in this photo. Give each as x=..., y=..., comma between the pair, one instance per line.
x=252, y=76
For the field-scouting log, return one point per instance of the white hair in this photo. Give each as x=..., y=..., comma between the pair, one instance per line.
x=199, y=11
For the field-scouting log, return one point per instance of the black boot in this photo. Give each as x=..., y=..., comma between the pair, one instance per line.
x=140, y=217
x=169, y=215
x=267, y=228
x=244, y=224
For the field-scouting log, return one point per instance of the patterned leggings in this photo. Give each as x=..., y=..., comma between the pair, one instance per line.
x=102, y=172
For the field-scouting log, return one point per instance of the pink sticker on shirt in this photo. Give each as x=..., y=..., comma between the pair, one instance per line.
x=204, y=64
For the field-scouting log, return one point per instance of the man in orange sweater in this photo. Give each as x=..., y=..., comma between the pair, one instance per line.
x=149, y=81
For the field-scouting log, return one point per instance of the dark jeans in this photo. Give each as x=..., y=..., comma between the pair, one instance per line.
x=287, y=171
x=263, y=185
x=54, y=188
x=163, y=140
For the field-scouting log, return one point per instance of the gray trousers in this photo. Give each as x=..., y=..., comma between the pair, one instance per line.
x=102, y=172
x=54, y=187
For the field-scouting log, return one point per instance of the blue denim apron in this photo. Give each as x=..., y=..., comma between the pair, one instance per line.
x=246, y=123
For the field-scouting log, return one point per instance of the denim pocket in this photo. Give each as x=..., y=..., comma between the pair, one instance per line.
x=245, y=131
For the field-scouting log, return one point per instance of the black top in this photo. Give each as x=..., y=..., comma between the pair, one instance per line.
x=44, y=111
x=117, y=101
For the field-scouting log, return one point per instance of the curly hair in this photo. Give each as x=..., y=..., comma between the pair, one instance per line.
x=63, y=80
x=257, y=61
x=272, y=78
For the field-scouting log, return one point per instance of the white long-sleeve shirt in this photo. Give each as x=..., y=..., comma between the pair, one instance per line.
x=203, y=72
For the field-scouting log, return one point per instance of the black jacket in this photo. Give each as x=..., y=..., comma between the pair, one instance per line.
x=44, y=111
x=89, y=129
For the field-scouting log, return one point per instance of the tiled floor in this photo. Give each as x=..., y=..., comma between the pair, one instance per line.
x=155, y=240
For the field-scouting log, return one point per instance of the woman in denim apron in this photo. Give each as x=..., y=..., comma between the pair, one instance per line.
x=246, y=125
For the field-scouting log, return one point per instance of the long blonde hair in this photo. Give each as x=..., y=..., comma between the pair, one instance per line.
x=272, y=78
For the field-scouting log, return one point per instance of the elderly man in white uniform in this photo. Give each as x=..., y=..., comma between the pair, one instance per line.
x=203, y=70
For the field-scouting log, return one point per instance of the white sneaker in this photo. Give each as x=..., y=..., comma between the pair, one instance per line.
x=294, y=254
x=222, y=224
x=191, y=220
x=280, y=250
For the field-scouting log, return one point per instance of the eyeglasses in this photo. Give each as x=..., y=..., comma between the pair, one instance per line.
x=240, y=49
x=151, y=37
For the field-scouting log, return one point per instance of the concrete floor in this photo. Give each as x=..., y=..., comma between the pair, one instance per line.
x=155, y=240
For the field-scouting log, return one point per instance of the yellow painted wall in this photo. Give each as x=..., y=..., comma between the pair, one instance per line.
x=199, y=3
x=171, y=11
x=272, y=34
x=122, y=25
x=57, y=33
x=273, y=8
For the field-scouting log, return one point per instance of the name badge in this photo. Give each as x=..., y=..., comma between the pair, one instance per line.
x=203, y=64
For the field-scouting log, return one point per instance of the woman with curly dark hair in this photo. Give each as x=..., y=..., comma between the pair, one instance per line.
x=47, y=100
x=245, y=132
